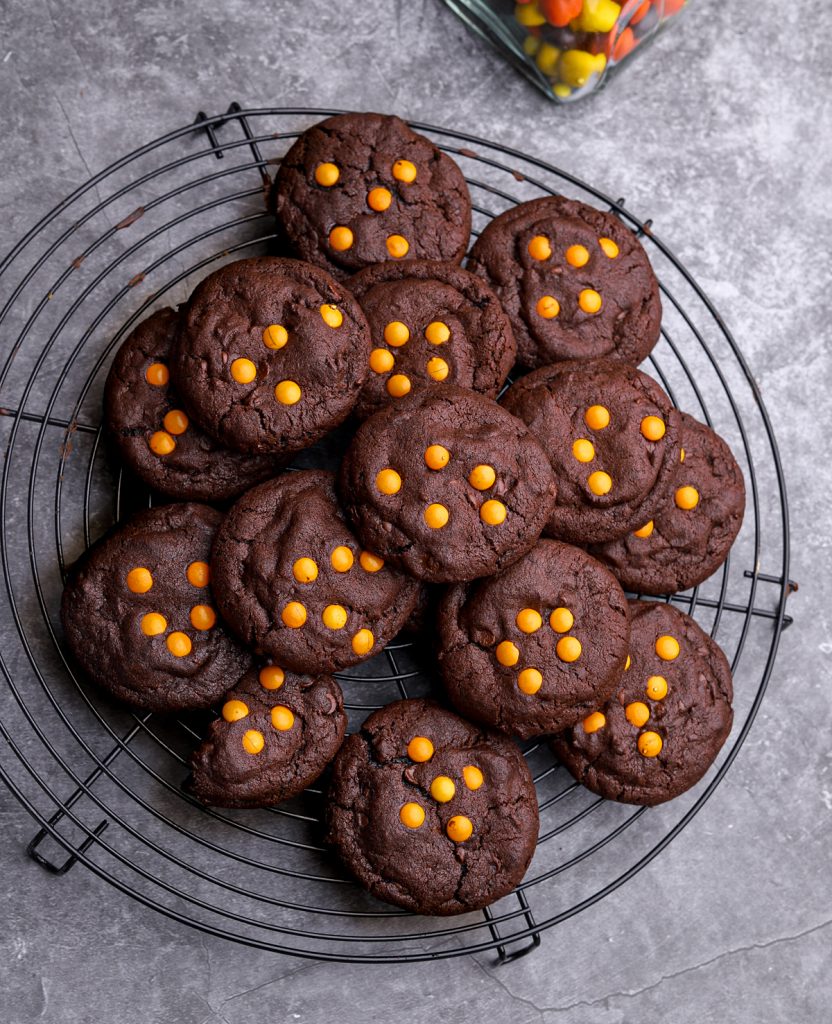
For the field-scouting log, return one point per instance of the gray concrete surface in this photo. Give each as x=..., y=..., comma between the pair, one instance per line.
x=722, y=135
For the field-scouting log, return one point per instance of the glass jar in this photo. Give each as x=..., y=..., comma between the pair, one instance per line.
x=567, y=47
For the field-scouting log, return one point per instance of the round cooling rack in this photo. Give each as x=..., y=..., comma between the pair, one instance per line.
x=104, y=785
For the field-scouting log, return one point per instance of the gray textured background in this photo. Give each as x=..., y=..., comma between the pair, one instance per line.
x=722, y=135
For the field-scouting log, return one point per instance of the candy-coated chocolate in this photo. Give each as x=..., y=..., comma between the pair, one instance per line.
x=253, y=741
x=381, y=360
x=594, y=722
x=342, y=558
x=437, y=333
x=175, y=422
x=540, y=248
x=379, y=199
x=283, y=718
x=583, y=449
x=589, y=300
x=243, y=371
x=412, y=815
x=305, y=570
x=609, y=248
x=436, y=515
x=234, y=710
x=650, y=744
x=561, y=620
x=139, y=580
x=271, y=677
x=198, y=574
x=646, y=530
x=161, y=443
x=398, y=246
x=293, y=615
x=568, y=648
x=656, y=688
x=686, y=498
x=370, y=562
x=388, y=481
x=548, y=307
x=404, y=171
x=327, y=175
x=599, y=482
x=179, y=644
x=275, y=337
x=482, y=477
x=396, y=333
x=153, y=624
x=637, y=713
x=597, y=417
x=398, y=385
x=157, y=374
x=507, y=653
x=341, y=238
x=420, y=749
x=493, y=512
x=577, y=255
x=442, y=789
x=530, y=680
x=287, y=392
x=653, y=428
x=528, y=620
x=459, y=828
x=362, y=642
x=203, y=617
x=437, y=456
x=334, y=616
x=438, y=369
x=331, y=315
x=667, y=648
x=473, y=776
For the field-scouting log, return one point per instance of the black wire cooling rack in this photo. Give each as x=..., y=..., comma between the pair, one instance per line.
x=104, y=785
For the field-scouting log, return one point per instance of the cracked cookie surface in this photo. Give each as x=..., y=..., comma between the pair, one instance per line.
x=614, y=441
x=275, y=735
x=688, y=539
x=271, y=355
x=430, y=812
x=362, y=188
x=152, y=434
x=537, y=647
x=430, y=322
x=294, y=583
x=138, y=612
x=447, y=485
x=667, y=721
x=575, y=282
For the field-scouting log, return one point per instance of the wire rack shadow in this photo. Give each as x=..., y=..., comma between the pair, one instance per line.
x=104, y=785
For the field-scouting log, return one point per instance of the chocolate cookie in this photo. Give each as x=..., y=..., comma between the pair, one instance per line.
x=359, y=189
x=431, y=813
x=659, y=734
x=294, y=583
x=152, y=434
x=688, y=539
x=447, y=485
x=276, y=735
x=614, y=441
x=537, y=647
x=271, y=355
x=138, y=617
x=430, y=322
x=575, y=282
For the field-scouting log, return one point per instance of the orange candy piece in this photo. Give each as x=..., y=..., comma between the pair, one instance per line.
x=157, y=374
x=203, y=617
x=198, y=574
x=560, y=12
x=420, y=749
x=179, y=644
x=272, y=677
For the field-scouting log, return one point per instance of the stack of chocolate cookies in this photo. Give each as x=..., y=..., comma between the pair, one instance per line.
x=510, y=527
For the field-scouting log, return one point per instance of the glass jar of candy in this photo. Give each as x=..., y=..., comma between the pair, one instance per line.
x=567, y=47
